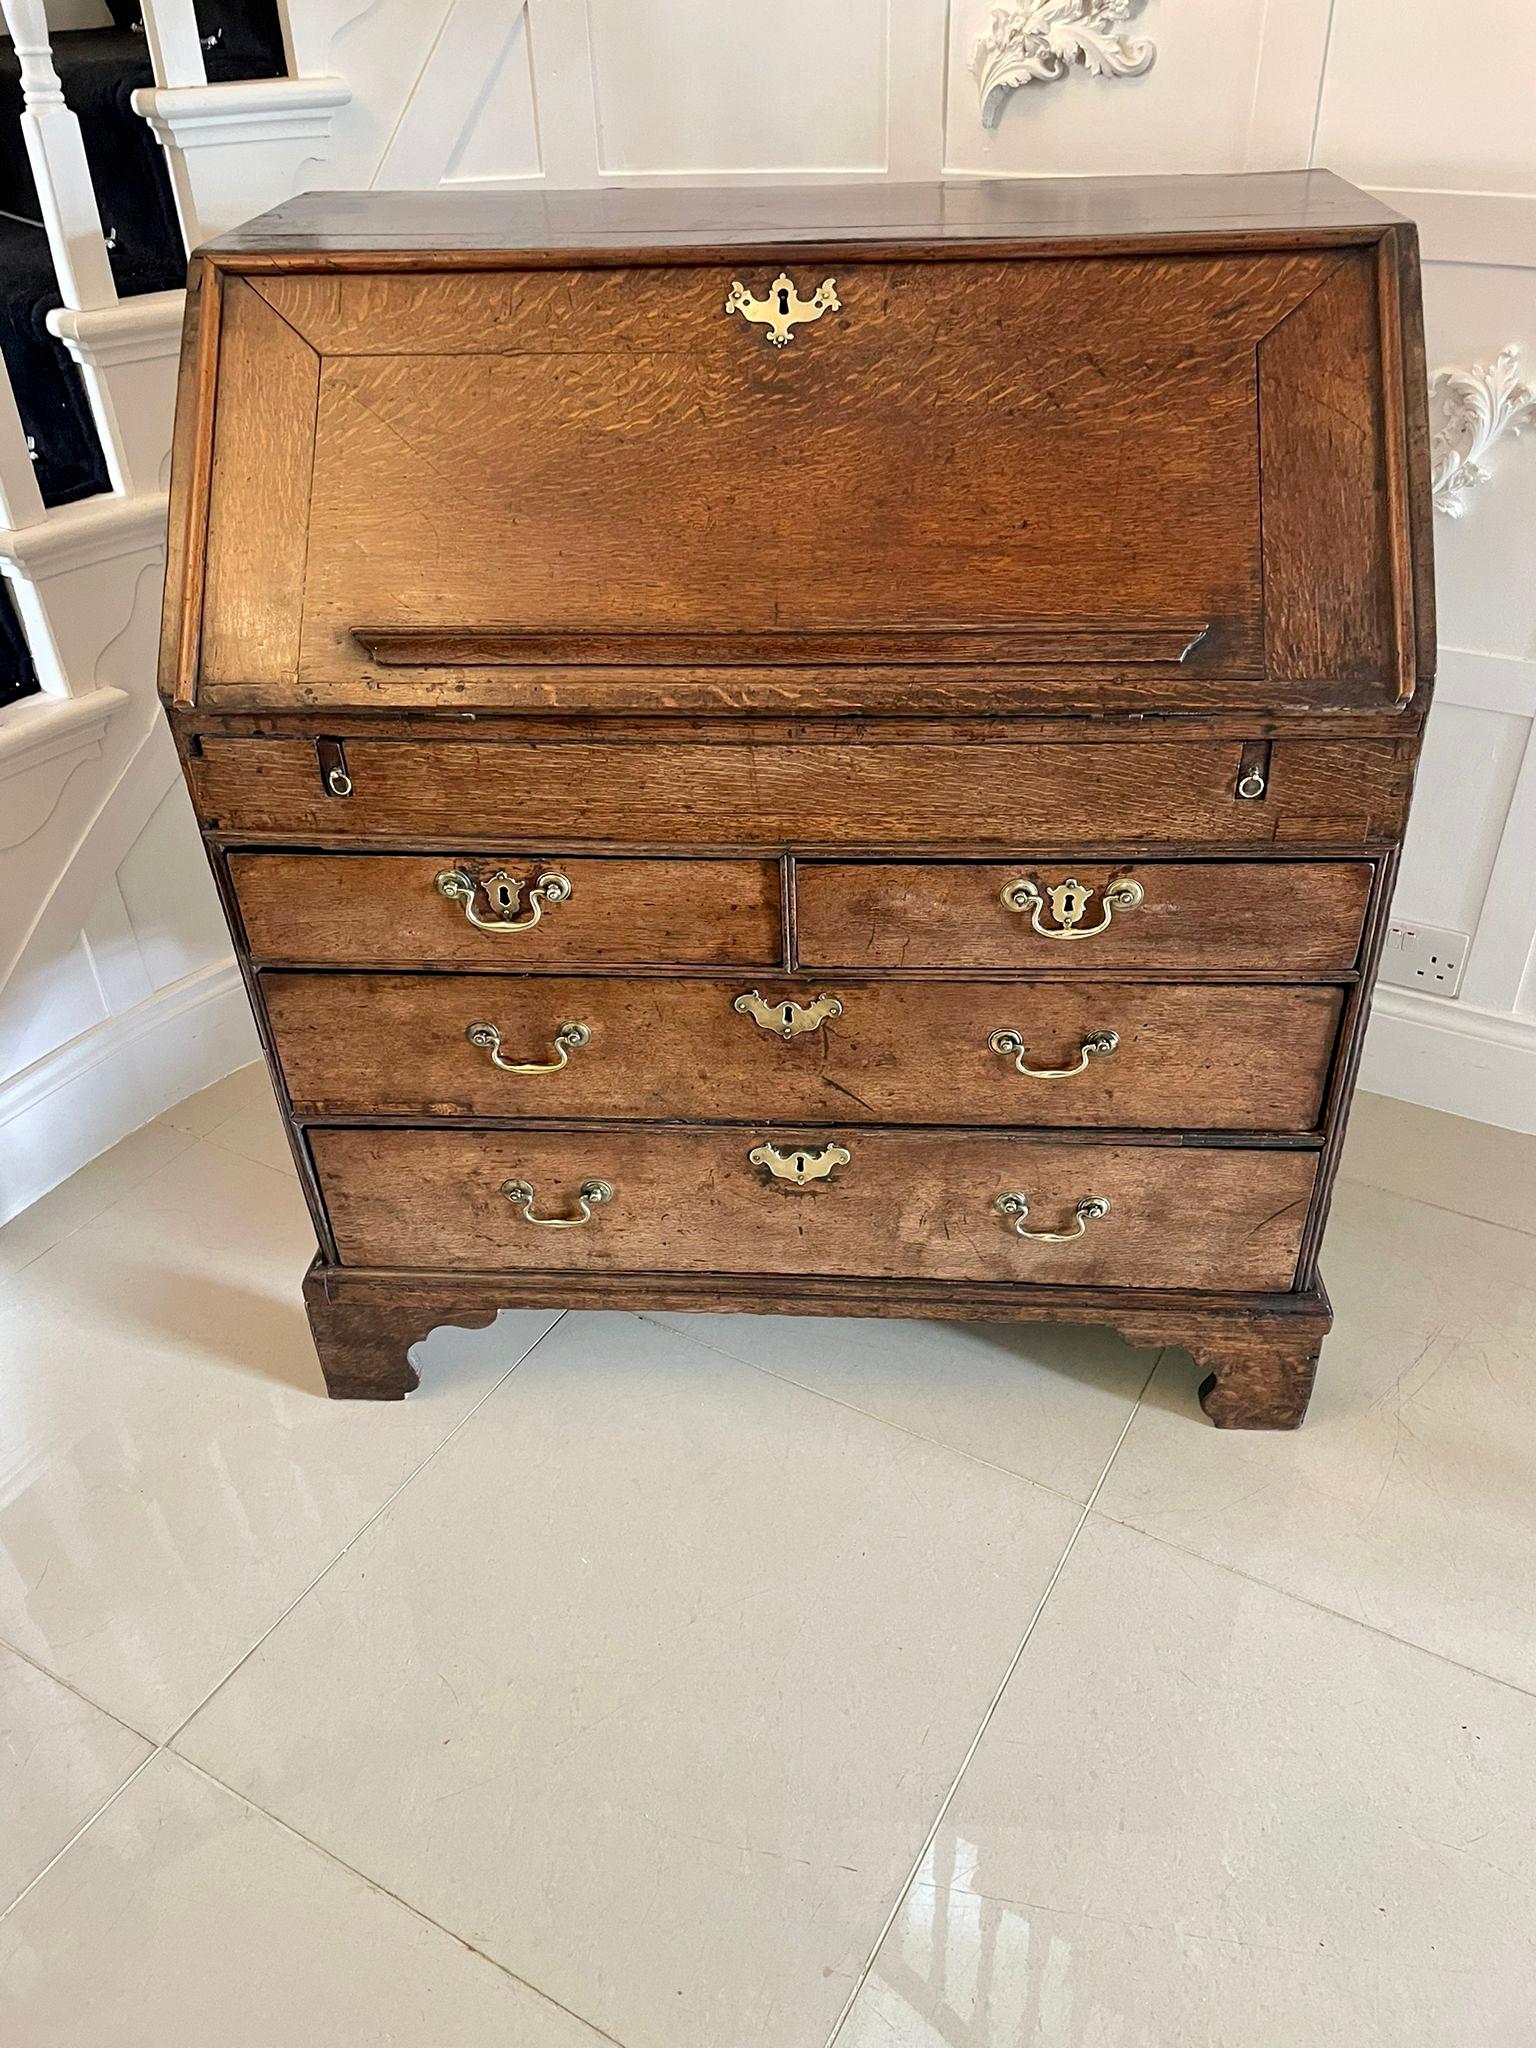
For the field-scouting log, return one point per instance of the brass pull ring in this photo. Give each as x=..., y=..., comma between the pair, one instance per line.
x=501, y=892
x=789, y=1020
x=1069, y=900
x=568, y=1039
x=1009, y=1045
x=1089, y=1210
x=592, y=1192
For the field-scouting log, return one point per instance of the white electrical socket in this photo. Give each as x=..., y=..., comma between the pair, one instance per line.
x=1422, y=956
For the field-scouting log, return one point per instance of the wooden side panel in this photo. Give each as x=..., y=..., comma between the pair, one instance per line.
x=258, y=516
x=1209, y=1058
x=1328, y=568
x=1005, y=794
x=905, y=1204
x=389, y=912
x=1255, y=916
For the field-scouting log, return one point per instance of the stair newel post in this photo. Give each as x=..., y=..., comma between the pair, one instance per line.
x=57, y=154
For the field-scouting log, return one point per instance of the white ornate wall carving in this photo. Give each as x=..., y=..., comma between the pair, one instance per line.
x=1039, y=42
x=1475, y=409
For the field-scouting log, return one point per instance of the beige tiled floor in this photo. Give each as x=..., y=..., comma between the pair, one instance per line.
x=726, y=1682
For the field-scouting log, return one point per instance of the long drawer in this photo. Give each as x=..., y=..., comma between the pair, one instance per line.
x=1233, y=916
x=943, y=1206
x=1136, y=1056
x=511, y=910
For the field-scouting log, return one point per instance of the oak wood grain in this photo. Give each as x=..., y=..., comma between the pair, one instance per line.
x=1004, y=794
x=385, y=910
x=907, y=1203
x=259, y=494
x=1212, y=1058
x=1228, y=915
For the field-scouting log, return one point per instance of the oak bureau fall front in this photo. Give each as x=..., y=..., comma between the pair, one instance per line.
x=827, y=751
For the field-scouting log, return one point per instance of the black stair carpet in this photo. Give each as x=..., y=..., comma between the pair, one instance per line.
x=18, y=678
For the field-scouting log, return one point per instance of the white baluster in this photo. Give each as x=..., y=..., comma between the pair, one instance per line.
x=57, y=155
x=21, y=502
x=175, y=47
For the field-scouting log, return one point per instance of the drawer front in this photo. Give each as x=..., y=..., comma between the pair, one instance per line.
x=1098, y=1053
x=1232, y=916
x=921, y=1205
x=649, y=438
x=1005, y=794
x=514, y=909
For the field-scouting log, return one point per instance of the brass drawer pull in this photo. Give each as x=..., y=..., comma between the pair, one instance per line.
x=1089, y=1210
x=800, y=1167
x=592, y=1192
x=783, y=308
x=789, y=1020
x=568, y=1039
x=1009, y=1045
x=501, y=894
x=1069, y=900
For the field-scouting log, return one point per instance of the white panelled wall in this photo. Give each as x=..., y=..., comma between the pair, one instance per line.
x=1433, y=111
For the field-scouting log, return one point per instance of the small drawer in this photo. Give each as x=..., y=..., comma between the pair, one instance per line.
x=1084, y=1053
x=1226, y=916
x=514, y=909
x=929, y=1205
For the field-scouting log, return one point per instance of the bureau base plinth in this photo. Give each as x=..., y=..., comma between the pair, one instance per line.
x=364, y=1328
x=1258, y=1352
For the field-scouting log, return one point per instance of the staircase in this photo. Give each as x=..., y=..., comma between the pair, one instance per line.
x=122, y=144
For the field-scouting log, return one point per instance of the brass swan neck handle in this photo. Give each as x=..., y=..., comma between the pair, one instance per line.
x=568, y=1039
x=1011, y=1045
x=502, y=893
x=1015, y=1207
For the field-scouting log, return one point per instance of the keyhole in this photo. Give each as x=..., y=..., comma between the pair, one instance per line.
x=802, y=1160
x=787, y=1014
x=504, y=897
x=784, y=302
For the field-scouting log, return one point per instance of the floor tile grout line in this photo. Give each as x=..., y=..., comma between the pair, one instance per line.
x=26, y=1657
x=986, y=1720
x=1386, y=1635
x=85, y=1222
x=111, y=1799
x=358, y=1534
x=384, y=1891
x=1440, y=1208
x=852, y=1408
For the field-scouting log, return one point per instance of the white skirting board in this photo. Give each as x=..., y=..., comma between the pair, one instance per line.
x=1448, y=1055
x=75, y=1102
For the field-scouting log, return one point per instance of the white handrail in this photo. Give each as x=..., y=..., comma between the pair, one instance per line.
x=175, y=46
x=59, y=169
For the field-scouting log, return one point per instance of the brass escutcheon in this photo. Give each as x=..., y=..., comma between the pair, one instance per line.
x=800, y=1167
x=1069, y=902
x=1089, y=1210
x=502, y=894
x=568, y=1039
x=783, y=309
x=591, y=1193
x=1009, y=1045
x=788, y=1019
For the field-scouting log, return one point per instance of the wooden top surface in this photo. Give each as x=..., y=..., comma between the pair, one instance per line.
x=1306, y=206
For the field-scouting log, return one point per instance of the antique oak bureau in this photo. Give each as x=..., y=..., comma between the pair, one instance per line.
x=821, y=751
